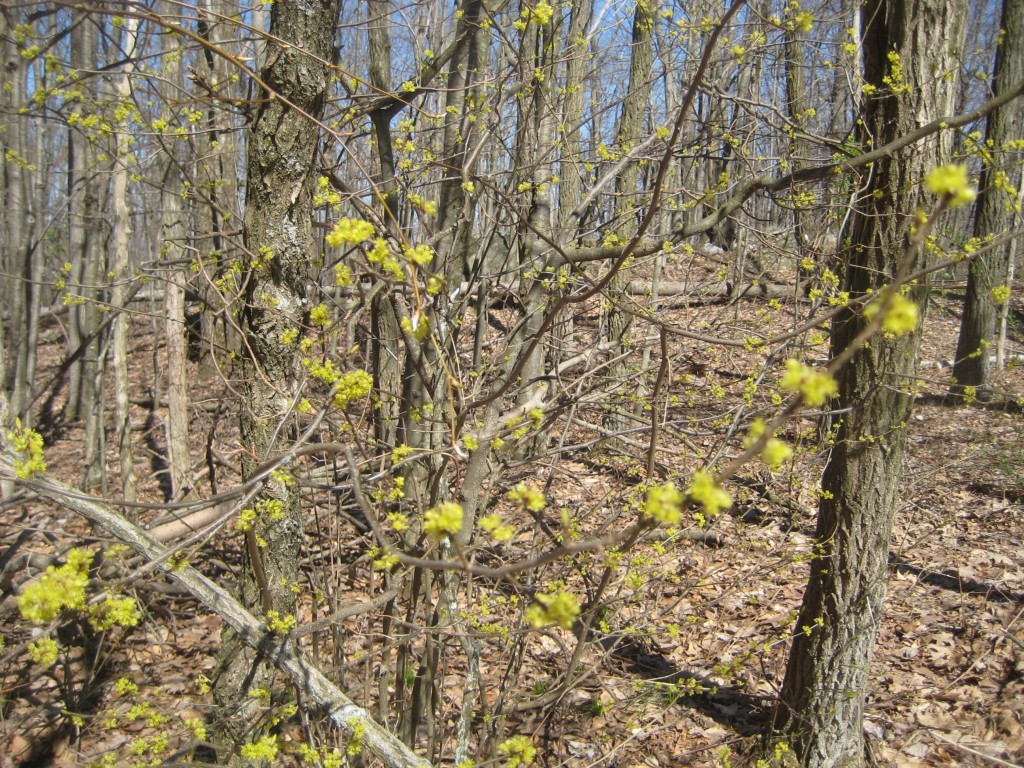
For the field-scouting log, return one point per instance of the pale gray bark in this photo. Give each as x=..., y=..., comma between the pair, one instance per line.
x=20, y=258
x=799, y=147
x=173, y=253
x=86, y=386
x=629, y=202
x=571, y=172
x=121, y=268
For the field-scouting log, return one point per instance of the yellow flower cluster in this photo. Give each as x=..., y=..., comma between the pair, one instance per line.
x=496, y=527
x=278, y=624
x=43, y=651
x=59, y=588
x=559, y=608
x=418, y=327
x=705, y=491
x=541, y=13
x=531, y=498
x=421, y=254
x=381, y=254
x=774, y=451
x=353, y=385
x=952, y=183
x=664, y=504
x=815, y=387
x=263, y=750
x=518, y=750
x=443, y=520
x=900, y=317
x=29, y=444
x=804, y=20
x=350, y=232
x=114, y=612
x=319, y=316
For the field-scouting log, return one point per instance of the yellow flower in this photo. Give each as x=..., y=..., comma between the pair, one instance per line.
x=494, y=525
x=531, y=498
x=559, y=608
x=709, y=494
x=816, y=387
x=519, y=751
x=952, y=183
x=541, y=13
x=57, y=589
x=664, y=504
x=264, y=750
x=29, y=443
x=350, y=231
x=318, y=315
x=342, y=276
x=354, y=385
x=443, y=520
x=43, y=651
x=421, y=254
x=114, y=612
x=900, y=316
x=774, y=452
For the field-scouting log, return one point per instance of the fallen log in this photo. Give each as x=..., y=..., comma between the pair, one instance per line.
x=687, y=293
x=280, y=650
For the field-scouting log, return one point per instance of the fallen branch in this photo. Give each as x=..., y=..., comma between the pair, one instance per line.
x=702, y=293
x=279, y=650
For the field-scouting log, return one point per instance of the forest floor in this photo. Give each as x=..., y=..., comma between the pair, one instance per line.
x=693, y=648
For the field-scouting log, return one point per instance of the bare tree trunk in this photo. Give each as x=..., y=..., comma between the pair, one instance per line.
x=173, y=252
x=571, y=168
x=86, y=388
x=995, y=212
x=122, y=272
x=386, y=347
x=628, y=203
x=215, y=186
x=799, y=147
x=279, y=216
x=21, y=256
x=822, y=701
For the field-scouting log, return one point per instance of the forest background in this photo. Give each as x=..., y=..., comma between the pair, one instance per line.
x=476, y=382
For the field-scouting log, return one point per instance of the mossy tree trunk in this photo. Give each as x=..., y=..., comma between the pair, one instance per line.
x=908, y=47
x=280, y=243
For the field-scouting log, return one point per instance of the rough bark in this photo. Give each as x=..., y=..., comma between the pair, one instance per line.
x=799, y=148
x=279, y=239
x=122, y=274
x=628, y=199
x=213, y=156
x=84, y=205
x=174, y=252
x=385, y=351
x=19, y=256
x=822, y=702
x=571, y=173
x=995, y=210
